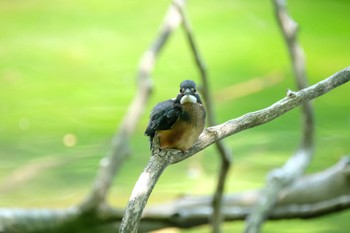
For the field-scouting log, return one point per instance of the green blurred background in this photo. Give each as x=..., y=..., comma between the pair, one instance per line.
x=67, y=75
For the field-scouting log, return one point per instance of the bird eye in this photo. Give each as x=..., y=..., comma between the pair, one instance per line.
x=193, y=90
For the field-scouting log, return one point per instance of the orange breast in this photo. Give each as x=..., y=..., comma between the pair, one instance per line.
x=185, y=132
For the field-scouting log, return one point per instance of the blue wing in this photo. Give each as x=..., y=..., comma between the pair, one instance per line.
x=163, y=116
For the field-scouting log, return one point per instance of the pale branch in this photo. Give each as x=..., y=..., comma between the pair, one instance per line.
x=297, y=164
x=142, y=190
x=225, y=153
x=253, y=119
x=141, y=193
x=212, y=134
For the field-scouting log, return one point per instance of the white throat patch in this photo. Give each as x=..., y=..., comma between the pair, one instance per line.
x=188, y=99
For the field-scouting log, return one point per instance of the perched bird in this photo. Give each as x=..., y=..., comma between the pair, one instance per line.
x=178, y=122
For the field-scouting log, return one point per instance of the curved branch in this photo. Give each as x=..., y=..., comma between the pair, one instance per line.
x=141, y=193
x=253, y=119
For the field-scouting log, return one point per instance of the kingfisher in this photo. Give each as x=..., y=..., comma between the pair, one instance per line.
x=178, y=122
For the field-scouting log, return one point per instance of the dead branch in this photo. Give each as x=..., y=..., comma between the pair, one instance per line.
x=141, y=193
x=225, y=153
x=253, y=119
x=213, y=134
x=297, y=164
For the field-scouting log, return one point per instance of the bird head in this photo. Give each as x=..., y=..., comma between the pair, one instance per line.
x=188, y=92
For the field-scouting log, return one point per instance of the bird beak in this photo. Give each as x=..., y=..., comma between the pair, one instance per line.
x=187, y=91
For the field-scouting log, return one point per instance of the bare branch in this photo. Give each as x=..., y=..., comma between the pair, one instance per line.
x=224, y=152
x=141, y=193
x=253, y=119
x=297, y=164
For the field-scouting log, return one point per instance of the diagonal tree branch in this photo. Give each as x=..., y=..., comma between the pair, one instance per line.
x=225, y=153
x=141, y=193
x=210, y=135
x=297, y=164
x=253, y=119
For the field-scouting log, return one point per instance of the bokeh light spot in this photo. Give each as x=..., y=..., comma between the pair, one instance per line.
x=69, y=140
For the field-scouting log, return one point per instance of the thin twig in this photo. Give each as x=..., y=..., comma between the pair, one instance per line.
x=286, y=175
x=225, y=153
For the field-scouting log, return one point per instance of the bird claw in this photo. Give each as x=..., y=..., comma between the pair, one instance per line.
x=172, y=151
x=167, y=151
